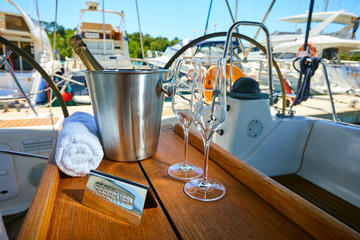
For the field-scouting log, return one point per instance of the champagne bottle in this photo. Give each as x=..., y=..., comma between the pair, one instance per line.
x=80, y=48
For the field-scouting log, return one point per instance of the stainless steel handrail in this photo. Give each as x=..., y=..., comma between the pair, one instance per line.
x=22, y=154
x=268, y=43
x=4, y=58
x=334, y=115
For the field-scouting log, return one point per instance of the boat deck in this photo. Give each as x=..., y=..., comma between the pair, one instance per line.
x=32, y=122
x=333, y=205
x=347, y=107
x=255, y=206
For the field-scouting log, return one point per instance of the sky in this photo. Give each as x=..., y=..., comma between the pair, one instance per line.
x=181, y=18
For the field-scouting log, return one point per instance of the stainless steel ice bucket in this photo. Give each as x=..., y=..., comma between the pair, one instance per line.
x=128, y=106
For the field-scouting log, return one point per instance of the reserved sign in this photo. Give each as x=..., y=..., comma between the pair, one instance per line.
x=121, y=198
x=117, y=197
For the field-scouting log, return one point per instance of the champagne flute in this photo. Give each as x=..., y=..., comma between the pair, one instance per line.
x=181, y=107
x=208, y=112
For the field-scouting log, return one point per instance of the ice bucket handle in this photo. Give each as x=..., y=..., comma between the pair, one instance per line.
x=167, y=86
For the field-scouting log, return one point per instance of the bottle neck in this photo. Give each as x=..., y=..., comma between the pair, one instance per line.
x=89, y=60
x=80, y=48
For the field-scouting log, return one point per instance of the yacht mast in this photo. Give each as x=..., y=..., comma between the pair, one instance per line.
x=308, y=24
x=141, y=41
x=306, y=36
x=104, y=33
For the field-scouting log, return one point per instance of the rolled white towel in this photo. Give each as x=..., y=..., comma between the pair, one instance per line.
x=78, y=148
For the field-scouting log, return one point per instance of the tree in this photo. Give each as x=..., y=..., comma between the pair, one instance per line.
x=150, y=43
x=62, y=37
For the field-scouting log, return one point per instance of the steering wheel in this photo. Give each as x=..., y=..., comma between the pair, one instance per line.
x=237, y=35
x=37, y=67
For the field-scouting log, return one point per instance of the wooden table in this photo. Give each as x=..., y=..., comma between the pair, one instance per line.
x=31, y=122
x=254, y=207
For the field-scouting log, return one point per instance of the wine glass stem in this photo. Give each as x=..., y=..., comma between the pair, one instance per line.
x=206, y=154
x=186, y=143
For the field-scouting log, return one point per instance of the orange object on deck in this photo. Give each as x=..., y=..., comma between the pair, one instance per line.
x=211, y=76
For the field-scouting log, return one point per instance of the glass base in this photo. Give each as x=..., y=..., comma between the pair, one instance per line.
x=209, y=190
x=185, y=171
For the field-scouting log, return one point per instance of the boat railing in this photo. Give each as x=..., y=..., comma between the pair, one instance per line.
x=3, y=60
x=334, y=115
x=270, y=63
x=268, y=46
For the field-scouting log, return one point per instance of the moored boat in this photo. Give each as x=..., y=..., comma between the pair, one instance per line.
x=107, y=43
x=27, y=34
x=334, y=47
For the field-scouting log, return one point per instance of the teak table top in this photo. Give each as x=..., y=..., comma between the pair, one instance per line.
x=254, y=207
x=32, y=122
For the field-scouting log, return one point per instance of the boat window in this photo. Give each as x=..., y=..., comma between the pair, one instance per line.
x=91, y=35
x=98, y=45
x=330, y=53
x=285, y=33
x=35, y=22
x=116, y=35
x=212, y=51
x=29, y=48
x=14, y=22
x=15, y=58
x=2, y=53
x=17, y=62
x=284, y=55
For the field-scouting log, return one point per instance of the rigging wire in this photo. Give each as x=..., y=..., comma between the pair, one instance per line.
x=208, y=16
x=53, y=62
x=6, y=52
x=141, y=41
x=237, y=30
x=104, y=33
x=357, y=7
x=42, y=43
x=54, y=36
x=290, y=26
x=30, y=7
x=38, y=15
x=259, y=29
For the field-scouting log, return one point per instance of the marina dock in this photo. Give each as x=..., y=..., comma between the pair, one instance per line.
x=347, y=108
